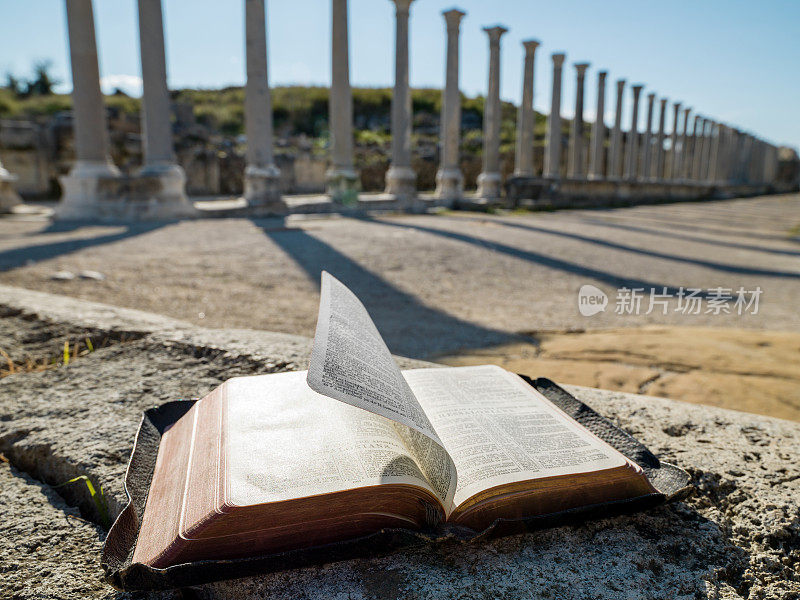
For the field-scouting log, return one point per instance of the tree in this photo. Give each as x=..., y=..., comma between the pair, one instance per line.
x=42, y=84
x=13, y=84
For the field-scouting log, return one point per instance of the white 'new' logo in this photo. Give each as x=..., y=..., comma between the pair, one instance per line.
x=591, y=300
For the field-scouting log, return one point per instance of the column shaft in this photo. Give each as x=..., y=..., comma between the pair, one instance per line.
x=449, y=180
x=401, y=178
x=685, y=156
x=713, y=157
x=647, y=142
x=576, y=151
x=657, y=171
x=89, y=113
x=672, y=172
x=615, y=147
x=631, y=157
x=697, y=148
x=261, y=176
x=523, y=166
x=706, y=146
x=159, y=154
x=341, y=176
x=599, y=130
x=490, y=179
x=552, y=157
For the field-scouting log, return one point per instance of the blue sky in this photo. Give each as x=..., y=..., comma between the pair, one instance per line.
x=733, y=60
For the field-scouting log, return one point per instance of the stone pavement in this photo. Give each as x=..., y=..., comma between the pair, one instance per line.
x=434, y=284
x=738, y=537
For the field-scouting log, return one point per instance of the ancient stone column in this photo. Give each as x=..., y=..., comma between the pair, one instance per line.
x=401, y=180
x=523, y=164
x=685, y=156
x=772, y=164
x=261, y=176
x=671, y=172
x=615, y=148
x=490, y=179
x=725, y=155
x=713, y=155
x=342, y=179
x=647, y=142
x=657, y=172
x=708, y=128
x=552, y=157
x=737, y=140
x=160, y=164
x=749, y=151
x=599, y=130
x=701, y=151
x=449, y=179
x=92, y=156
x=576, y=160
x=697, y=149
x=631, y=157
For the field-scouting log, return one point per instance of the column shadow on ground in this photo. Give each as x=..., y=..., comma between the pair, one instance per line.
x=409, y=327
x=17, y=257
x=717, y=266
x=690, y=238
x=686, y=226
x=592, y=275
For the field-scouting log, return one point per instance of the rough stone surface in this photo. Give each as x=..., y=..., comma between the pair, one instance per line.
x=47, y=551
x=739, y=537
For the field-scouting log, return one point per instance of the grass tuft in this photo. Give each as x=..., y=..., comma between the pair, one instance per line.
x=98, y=496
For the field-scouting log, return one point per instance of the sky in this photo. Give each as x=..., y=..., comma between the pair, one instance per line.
x=736, y=61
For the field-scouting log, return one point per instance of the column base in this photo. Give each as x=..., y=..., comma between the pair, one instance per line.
x=81, y=190
x=159, y=192
x=97, y=192
x=401, y=183
x=449, y=186
x=490, y=186
x=8, y=196
x=262, y=190
x=343, y=185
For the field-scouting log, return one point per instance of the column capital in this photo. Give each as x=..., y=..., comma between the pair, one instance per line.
x=677, y=105
x=453, y=18
x=495, y=33
x=531, y=46
x=687, y=110
x=558, y=59
x=620, y=85
x=581, y=68
x=402, y=6
x=664, y=102
x=651, y=96
x=637, y=89
x=602, y=75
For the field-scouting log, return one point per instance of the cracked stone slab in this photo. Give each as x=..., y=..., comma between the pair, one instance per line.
x=46, y=550
x=738, y=537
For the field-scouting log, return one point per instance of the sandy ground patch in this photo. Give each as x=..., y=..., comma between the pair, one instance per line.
x=753, y=371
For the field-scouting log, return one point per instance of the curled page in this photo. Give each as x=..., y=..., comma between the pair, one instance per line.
x=350, y=362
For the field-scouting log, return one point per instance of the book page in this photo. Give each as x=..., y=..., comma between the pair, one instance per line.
x=499, y=430
x=284, y=441
x=350, y=362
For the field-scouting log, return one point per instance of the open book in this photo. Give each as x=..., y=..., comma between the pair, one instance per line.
x=291, y=460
